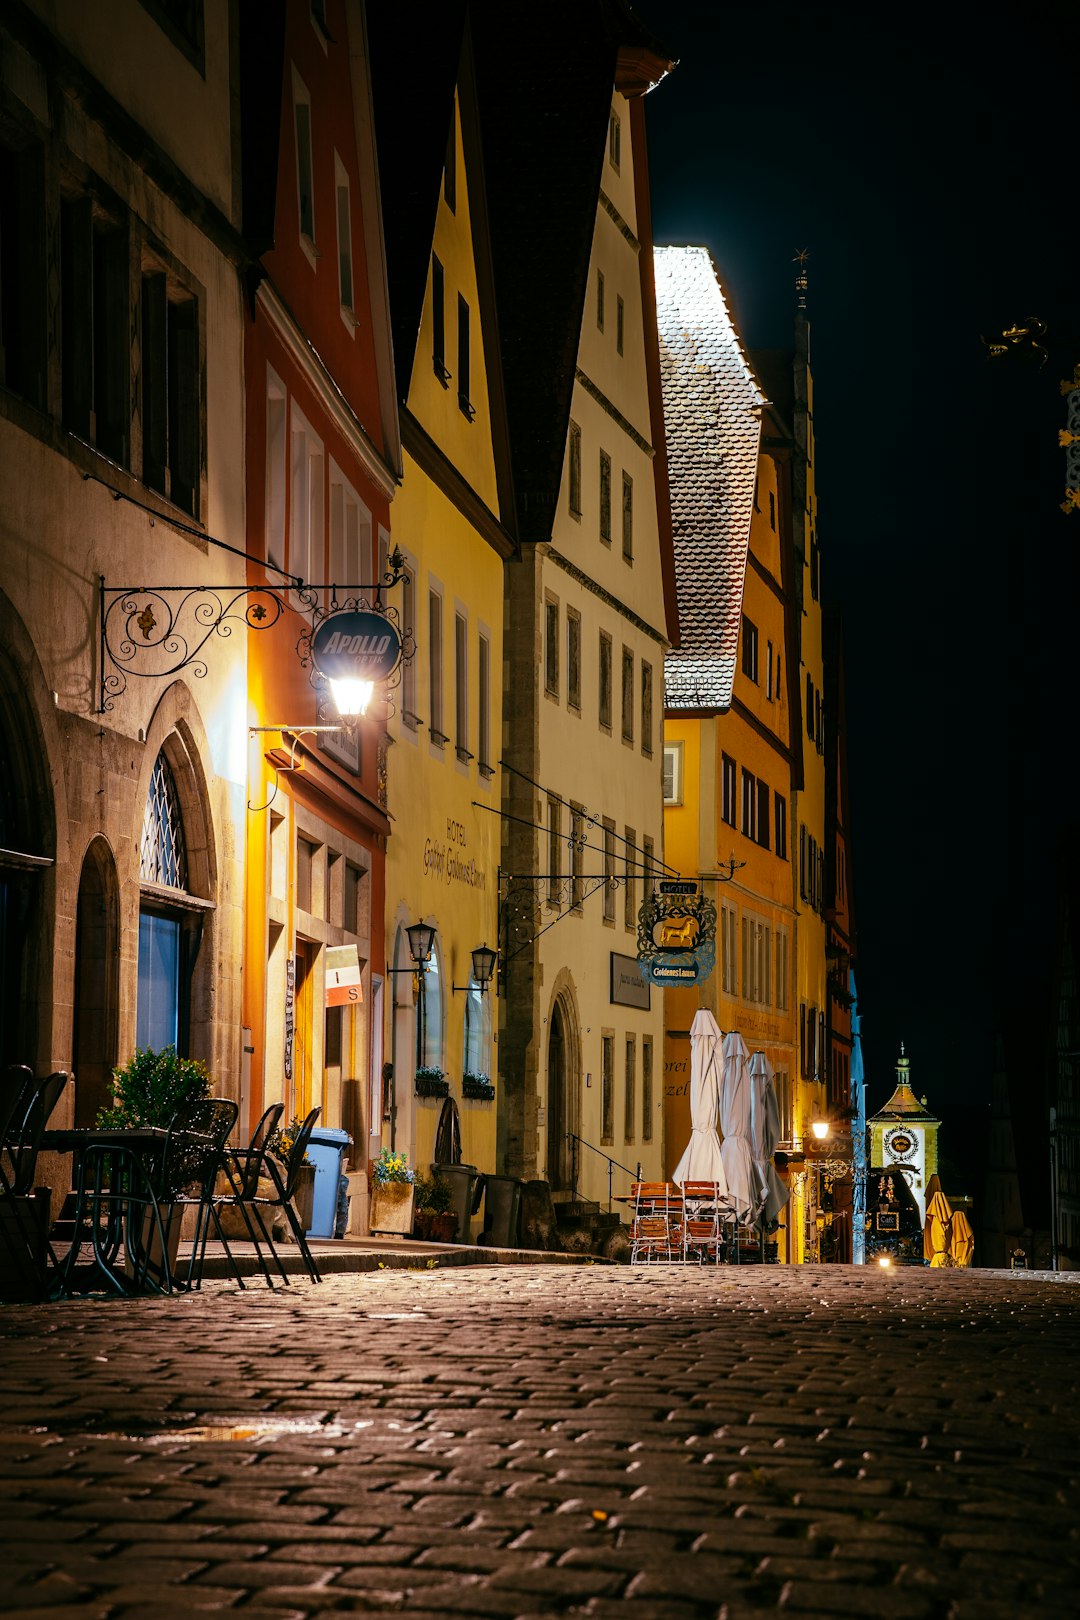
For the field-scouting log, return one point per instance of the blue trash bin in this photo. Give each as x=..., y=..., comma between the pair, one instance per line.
x=326, y=1150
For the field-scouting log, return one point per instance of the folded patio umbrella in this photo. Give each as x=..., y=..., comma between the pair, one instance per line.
x=961, y=1239
x=745, y=1179
x=939, y=1218
x=703, y=1160
x=766, y=1134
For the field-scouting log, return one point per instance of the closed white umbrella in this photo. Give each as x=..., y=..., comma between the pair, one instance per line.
x=746, y=1182
x=766, y=1134
x=703, y=1160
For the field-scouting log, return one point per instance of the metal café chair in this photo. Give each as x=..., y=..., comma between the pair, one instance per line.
x=25, y=1107
x=656, y=1232
x=201, y=1139
x=254, y=1167
x=704, y=1221
x=239, y=1170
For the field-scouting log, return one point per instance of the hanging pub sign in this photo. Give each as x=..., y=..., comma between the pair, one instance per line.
x=676, y=934
x=343, y=984
x=356, y=644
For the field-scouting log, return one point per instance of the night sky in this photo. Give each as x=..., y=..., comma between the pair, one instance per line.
x=933, y=177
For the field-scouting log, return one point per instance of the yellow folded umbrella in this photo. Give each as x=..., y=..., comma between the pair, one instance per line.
x=936, y=1232
x=961, y=1240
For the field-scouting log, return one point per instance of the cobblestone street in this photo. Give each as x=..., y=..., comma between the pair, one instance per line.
x=529, y=1440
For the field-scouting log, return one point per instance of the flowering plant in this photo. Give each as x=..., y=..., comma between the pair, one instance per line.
x=391, y=1166
x=429, y=1071
x=281, y=1141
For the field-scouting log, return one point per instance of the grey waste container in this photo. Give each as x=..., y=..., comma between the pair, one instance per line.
x=466, y=1185
x=502, y=1212
x=326, y=1150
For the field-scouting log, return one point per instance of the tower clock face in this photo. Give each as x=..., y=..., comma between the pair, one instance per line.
x=901, y=1144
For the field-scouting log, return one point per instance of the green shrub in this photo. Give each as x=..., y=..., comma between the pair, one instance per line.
x=152, y=1088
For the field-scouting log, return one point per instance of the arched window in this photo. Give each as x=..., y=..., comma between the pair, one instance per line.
x=166, y=945
x=429, y=1053
x=477, y=1042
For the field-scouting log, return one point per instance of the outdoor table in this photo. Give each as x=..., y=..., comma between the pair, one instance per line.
x=71, y=1277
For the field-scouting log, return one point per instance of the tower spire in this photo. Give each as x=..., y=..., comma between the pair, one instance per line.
x=801, y=278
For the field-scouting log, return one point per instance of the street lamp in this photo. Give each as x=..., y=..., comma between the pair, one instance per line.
x=421, y=937
x=483, y=966
x=352, y=650
x=820, y=1129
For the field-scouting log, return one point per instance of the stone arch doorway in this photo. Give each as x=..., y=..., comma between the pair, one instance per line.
x=562, y=1094
x=97, y=965
x=27, y=867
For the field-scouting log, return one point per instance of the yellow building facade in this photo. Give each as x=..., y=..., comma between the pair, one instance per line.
x=443, y=776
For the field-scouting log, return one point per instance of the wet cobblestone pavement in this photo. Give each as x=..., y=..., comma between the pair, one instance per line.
x=549, y=1441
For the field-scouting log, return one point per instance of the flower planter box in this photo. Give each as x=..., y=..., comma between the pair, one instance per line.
x=392, y=1207
x=435, y=1227
x=477, y=1089
x=429, y=1085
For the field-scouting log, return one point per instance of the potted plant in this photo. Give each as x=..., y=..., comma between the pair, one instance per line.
x=280, y=1144
x=431, y=1082
x=477, y=1087
x=434, y=1216
x=392, y=1193
x=150, y=1090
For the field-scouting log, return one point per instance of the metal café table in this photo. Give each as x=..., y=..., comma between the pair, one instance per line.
x=104, y=1211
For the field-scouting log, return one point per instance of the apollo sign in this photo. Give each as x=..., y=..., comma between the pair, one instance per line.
x=356, y=645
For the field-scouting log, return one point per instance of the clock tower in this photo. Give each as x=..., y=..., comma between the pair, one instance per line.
x=903, y=1135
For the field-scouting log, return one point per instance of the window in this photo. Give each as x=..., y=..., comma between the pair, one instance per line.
x=783, y=1102
x=614, y=145
x=646, y=1089
x=429, y=1044
x=809, y=708
x=627, y=517
x=727, y=793
x=763, y=814
x=777, y=684
x=304, y=183
x=449, y=185
x=464, y=404
x=350, y=537
x=600, y=300
x=305, y=861
x=729, y=975
x=605, y=497
x=551, y=647
x=627, y=695
x=609, y=870
x=351, y=900
x=815, y=567
x=629, y=1122
x=772, y=510
x=819, y=722
x=162, y=999
x=95, y=339
x=756, y=960
x=435, y=669
x=344, y=236
x=182, y=21
x=630, y=878
x=769, y=670
x=307, y=530
x=483, y=681
x=605, y=680
x=749, y=649
x=575, y=470
x=577, y=842
x=649, y=876
x=646, y=710
x=573, y=658
x=408, y=676
x=274, y=518
x=554, y=840
x=620, y=322
x=23, y=330
x=607, y=1099
x=438, y=321
x=461, y=687
x=749, y=805
x=673, y=767
x=780, y=823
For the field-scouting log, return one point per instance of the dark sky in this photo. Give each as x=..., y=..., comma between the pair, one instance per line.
x=932, y=173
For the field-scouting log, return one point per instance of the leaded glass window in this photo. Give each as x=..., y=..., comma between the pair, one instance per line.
x=163, y=855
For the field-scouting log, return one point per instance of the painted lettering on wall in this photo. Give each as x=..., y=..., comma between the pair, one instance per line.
x=449, y=862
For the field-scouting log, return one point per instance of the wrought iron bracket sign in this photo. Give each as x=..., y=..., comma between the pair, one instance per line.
x=152, y=632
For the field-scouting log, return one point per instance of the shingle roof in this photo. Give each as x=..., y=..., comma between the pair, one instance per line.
x=712, y=415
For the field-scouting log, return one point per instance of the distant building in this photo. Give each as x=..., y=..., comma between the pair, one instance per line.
x=904, y=1136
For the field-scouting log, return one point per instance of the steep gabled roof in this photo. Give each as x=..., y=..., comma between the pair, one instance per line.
x=712, y=413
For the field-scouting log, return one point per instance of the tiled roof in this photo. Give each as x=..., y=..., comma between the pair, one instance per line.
x=712, y=415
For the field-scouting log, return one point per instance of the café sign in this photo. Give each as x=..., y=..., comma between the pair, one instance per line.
x=356, y=644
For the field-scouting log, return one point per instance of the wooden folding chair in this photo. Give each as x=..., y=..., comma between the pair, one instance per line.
x=656, y=1232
